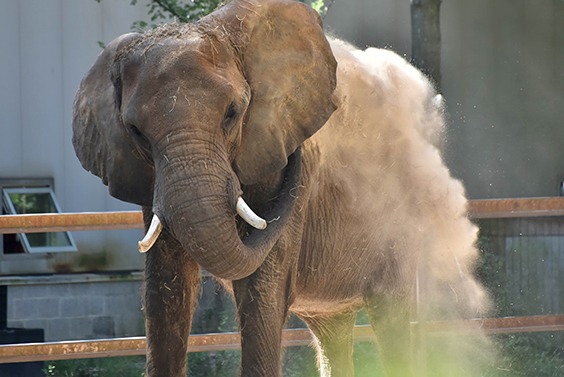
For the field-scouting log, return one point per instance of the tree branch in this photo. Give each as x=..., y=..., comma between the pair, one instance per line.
x=172, y=10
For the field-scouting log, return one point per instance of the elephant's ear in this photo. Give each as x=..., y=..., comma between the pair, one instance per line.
x=291, y=71
x=101, y=141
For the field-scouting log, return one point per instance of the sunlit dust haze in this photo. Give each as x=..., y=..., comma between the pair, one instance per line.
x=391, y=122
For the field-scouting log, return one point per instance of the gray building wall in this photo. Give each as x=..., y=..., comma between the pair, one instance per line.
x=85, y=306
x=502, y=80
x=504, y=84
x=100, y=306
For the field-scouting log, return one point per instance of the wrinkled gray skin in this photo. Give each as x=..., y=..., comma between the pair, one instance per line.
x=184, y=119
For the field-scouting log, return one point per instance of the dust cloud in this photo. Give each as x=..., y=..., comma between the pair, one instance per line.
x=392, y=127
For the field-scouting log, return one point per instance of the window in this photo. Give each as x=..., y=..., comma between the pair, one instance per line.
x=27, y=200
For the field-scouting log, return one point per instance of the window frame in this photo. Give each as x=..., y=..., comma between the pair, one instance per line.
x=9, y=207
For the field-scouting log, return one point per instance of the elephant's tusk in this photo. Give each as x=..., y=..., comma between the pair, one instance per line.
x=152, y=234
x=249, y=216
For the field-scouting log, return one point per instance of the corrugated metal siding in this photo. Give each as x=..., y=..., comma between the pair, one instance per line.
x=533, y=254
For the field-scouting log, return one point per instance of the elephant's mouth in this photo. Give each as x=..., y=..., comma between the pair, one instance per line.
x=278, y=212
x=243, y=210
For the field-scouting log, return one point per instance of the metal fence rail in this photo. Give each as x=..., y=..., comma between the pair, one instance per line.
x=137, y=346
x=49, y=222
x=82, y=349
x=59, y=222
x=477, y=209
x=511, y=208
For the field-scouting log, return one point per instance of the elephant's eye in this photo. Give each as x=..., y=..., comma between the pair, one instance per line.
x=138, y=135
x=231, y=112
x=229, y=117
x=135, y=131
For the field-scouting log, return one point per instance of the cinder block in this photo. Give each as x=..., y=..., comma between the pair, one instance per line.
x=103, y=327
x=80, y=327
x=36, y=323
x=132, y=287
x=58, y=329
x=30, y=291
x=25, y=309
x=94, y=305
x=48, y=307
x=15, y=324
x=114, y=305
x=131, y=325
x=82, y=289
x=104, y=289
x=59, y=290
x=132, y=304
x=73, y=307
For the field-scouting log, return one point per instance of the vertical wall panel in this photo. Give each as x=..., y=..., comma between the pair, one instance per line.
x=503, y=85
x=47, y=49
x=41, y=95
x=81, y=29
x=380, y=23
x=10, y=133
x=85, y=24
x=80, y=32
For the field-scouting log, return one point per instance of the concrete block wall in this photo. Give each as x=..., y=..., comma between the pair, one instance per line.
x=85, y=306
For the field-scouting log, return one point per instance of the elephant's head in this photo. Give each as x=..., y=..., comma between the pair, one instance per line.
x=181, y=118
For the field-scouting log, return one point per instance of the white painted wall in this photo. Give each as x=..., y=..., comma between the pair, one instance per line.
x=47, y=47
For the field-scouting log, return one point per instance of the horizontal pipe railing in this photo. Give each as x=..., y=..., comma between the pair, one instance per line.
x=477, y=209
x=60, y=222
x=83, y=349
x=137, y=346
x=518, y=207
x=503, y=325
x=57, y=222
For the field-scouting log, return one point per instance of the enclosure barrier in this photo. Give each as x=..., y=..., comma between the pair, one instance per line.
x=82, y=349
x=36, y=223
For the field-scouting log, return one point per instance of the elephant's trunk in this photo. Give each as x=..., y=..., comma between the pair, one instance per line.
x=156, y=227
x=196, y=199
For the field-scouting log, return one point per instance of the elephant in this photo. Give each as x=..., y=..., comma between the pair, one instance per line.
x=305, y=174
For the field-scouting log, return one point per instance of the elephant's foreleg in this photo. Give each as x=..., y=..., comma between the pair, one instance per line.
x=171, y=283
x=389, y=317
x=262, y=302
x=334, y=341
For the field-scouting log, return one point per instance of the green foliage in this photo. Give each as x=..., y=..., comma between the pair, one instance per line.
x=321, y=6
x=534, y=354
x=178, y=10
x=214, y=364
x=132, y=366
x=192, y=10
